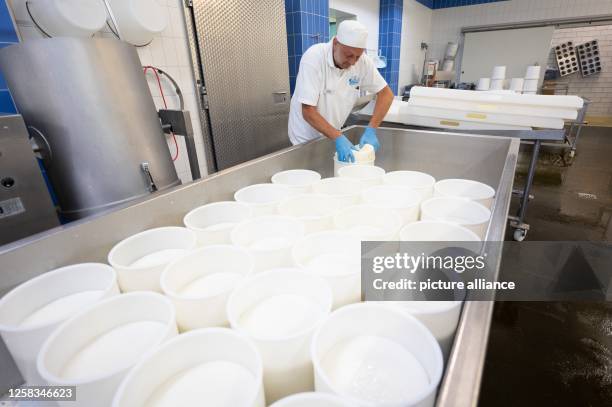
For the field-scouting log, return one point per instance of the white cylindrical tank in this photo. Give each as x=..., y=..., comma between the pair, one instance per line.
x=68, y=18
x=138, y=20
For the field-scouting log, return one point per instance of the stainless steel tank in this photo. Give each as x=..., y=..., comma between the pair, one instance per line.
x=87, y=104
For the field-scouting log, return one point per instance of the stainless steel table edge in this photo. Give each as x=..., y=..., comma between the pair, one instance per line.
x=463, y=372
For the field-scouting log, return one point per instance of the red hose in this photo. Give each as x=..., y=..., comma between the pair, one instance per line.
x=161, y=91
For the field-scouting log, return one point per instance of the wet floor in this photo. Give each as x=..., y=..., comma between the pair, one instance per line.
x=558, y=354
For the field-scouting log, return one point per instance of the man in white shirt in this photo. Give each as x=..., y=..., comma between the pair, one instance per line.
x=329, y=81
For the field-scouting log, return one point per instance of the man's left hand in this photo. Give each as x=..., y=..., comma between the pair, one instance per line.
x=369, y=137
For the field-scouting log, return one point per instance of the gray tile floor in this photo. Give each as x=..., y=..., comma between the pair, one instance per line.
x=558, y=354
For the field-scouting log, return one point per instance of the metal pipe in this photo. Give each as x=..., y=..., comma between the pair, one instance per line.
x=113, y=19
x=530, y=175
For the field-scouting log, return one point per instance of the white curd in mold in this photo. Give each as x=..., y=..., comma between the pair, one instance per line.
x=61, y=308
x=159, y=257
x=281, y=316
x=212, y=384
x=374, y=369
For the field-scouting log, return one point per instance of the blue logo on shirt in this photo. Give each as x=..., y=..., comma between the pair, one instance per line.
x=353, y=81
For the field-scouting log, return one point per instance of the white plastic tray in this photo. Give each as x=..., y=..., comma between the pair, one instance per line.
x=492, y=118
x=571, y=102
x=493, y=107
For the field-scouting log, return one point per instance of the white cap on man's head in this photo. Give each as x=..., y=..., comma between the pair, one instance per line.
x=353, y=34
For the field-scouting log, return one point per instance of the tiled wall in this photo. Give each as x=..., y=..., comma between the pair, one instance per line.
x=307, y=24
x=427, y=3
x=457, y=3
x=435, y=4
x=168, y=51
x=389, y=39
x=598, y=87
x=7, y=37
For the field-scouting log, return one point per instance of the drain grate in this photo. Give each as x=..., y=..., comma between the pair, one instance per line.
x=587, y=196
x=567, y=60
x=590, y=62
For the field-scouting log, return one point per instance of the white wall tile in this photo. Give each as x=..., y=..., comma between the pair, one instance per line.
x=598, y=87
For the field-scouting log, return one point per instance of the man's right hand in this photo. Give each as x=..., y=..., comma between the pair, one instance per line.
x=344, y=149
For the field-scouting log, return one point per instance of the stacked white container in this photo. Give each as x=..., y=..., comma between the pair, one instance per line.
x=498, y=78
x=532, y=77
x=516, y=85
x=483, y=84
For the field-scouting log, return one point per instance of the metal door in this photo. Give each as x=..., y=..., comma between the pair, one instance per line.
x=242, y=51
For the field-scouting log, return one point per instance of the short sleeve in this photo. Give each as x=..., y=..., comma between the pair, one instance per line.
x=371, y=79
x=309, y=83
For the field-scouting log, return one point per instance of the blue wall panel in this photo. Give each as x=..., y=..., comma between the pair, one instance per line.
x=307, y=24
x=7, y=37
x=428, y=3
x=389, y=39
x=436, y=4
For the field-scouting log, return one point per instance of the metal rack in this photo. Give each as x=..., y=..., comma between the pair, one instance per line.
x=573, y=132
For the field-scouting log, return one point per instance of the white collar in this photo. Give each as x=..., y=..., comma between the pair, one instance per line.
x=330, y=53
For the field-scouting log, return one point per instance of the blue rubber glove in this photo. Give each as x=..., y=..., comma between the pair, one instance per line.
x=369, y=137
x=345, y=148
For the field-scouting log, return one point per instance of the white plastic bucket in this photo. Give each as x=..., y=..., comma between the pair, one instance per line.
x=436, y=231
x=368, y=222
x=312, y=399
x=497, y=84
x=440, y=317
x=300, y=181
x=533, y=72
x=462, y=211
x=95, y=349
x=404, y=200
x=448, y=65
x=346, y=191
x=199, y=284
x=516, y=84
x=465, y=188
x=483, y=84
x=338, y=165
x=530, y=85
x=208, y=367
x=32, y=311
x=363, y=156
x=373, y=355
x=140, y=259
x=212, y=223
x=269, y=239
x=367, y=175
x=499, y=72
x=451, y=50
x=279, y=310
x=316, y=211
x=419, y=181
x=336, y=257
x=263, y=198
